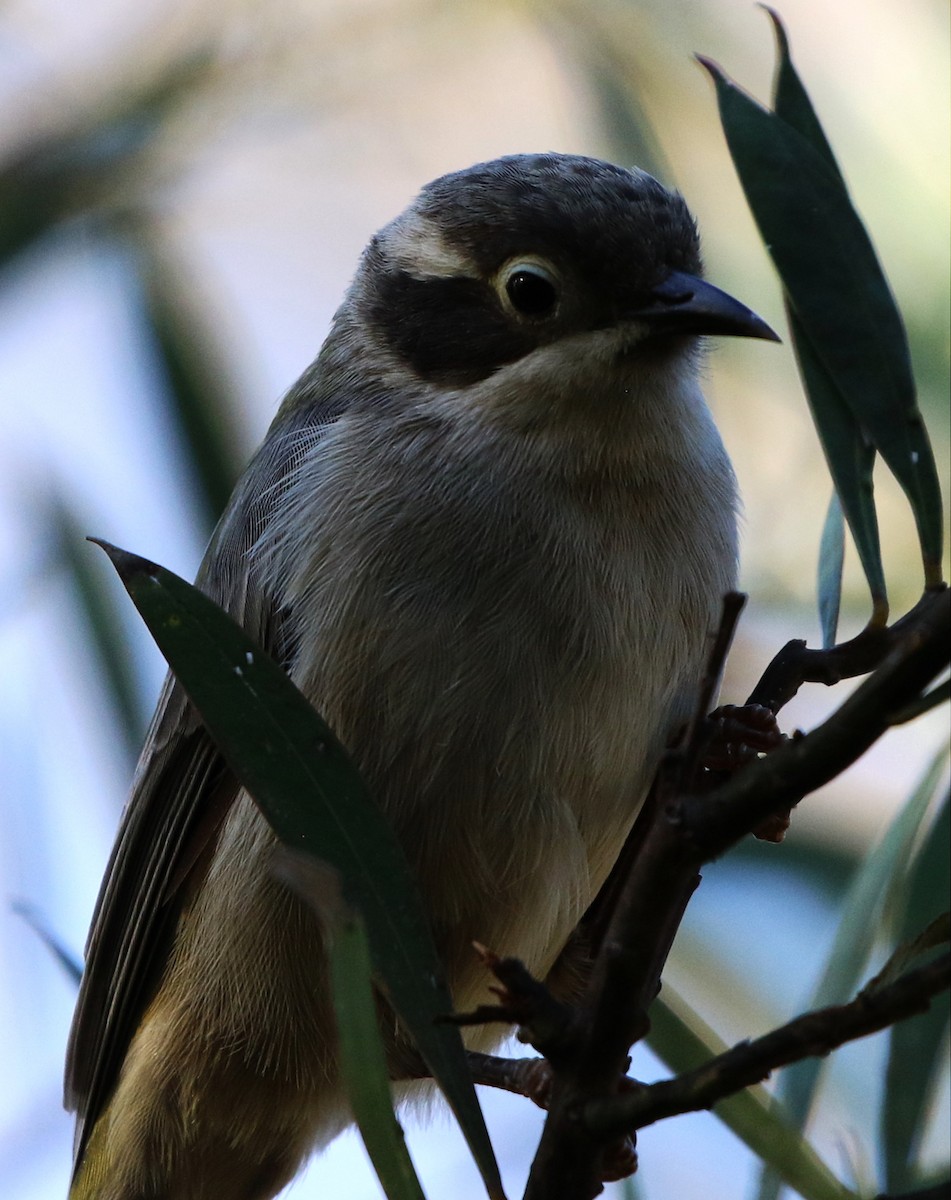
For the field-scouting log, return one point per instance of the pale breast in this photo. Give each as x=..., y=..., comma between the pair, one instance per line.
x=504, y=650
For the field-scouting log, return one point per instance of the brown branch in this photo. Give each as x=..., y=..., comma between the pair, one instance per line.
x=814, y=1033
x=678, y=836
x=570, y=1162
x=718, y=820
x=543, y=1021
x=692, y=742
x=796, y=664
x=530, y=1077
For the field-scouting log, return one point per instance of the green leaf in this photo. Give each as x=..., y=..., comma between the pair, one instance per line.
x=851, y=459
x=831, y=559
x=791, y=100
x=683, y=1041
x=836, y=288
x=70, y=962
x=312, y=796
x=362, y=1057
x=910, y=953
x=96, y=601
x=52, y=179
x=859, y=926
x=914, y=1059
x=940, y=694
x=195, y=376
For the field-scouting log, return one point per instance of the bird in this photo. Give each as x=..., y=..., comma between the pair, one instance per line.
x=487, y=535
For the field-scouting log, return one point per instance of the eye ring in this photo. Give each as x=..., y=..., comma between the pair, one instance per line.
x=529, y=288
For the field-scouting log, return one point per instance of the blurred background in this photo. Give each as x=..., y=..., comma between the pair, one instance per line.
x=184, y=191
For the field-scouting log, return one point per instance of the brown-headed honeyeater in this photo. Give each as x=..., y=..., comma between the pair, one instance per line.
x=488, y=534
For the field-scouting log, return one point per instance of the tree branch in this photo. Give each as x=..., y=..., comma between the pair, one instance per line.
x=796, y=664
x=814, y=1033
x=679, y=834
x=718, y=820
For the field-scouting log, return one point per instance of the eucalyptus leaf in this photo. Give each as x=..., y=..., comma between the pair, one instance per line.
x=314, y=799
x=859, y=926
x=831, y=560
x=850, y=457
x=362, y=1057
x=93, y=592
x=791, y=100
x=195, y=375
x=851, y=460
x=837, y=290
x=914, y=1061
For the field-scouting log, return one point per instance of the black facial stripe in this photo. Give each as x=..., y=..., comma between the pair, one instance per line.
x=449, y=330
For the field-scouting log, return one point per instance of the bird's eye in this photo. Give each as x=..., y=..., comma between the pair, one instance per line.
x=531, y=289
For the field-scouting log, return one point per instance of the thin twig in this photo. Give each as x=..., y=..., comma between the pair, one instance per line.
x=686, y=831
x=719, y=819
x=814, y=1033
x=530, y=1077
x=692, y=741
x=796, y=664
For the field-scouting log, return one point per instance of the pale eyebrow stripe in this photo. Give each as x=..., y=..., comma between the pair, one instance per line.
x=418, y=246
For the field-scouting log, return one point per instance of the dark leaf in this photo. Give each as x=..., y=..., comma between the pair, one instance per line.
x=837, y=290
x=851, y=460
x=194, y=374
x=831, y=559
x=362, y=1057
x=914, y=1059
x=850, y=457
x=859, y=926
x=315, y=801
x=791, y=100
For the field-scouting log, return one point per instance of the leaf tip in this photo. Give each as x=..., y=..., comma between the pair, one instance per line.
x=778, y=28
x=712, y=68
x=127, y=565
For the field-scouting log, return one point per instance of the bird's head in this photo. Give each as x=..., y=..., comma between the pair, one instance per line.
x=520, y=277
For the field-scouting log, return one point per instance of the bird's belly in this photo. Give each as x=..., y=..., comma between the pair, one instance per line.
x=511, y=771
x=507, y=687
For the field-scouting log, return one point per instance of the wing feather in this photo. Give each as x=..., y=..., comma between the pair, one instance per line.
x=181, y=793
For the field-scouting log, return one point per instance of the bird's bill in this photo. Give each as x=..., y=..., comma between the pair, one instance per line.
x=685, y=303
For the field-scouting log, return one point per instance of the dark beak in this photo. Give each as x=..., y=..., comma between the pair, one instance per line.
x=685, y=304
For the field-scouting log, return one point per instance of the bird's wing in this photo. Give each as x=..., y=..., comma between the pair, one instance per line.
x=182, y=792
